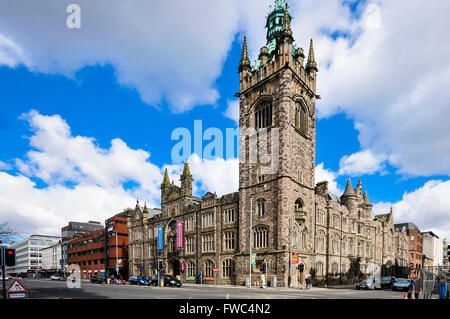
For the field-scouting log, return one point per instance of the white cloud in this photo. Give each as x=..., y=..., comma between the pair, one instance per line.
x=360, y=163
x=5, y=166
x=324, y=174
x=232, y=111
x=87, y=182
x=428, y=207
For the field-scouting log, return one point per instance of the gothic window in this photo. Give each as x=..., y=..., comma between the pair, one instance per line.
x=228, y=238
x=209, y=268
x=294, y=239
x=301, y=118
x=298, y=205
x=263, y=115
x=304, y=238
x=359, y=249
x=367, y=250
x=261, y=176
x=320, y=242
x=227, y=268
x=261, y=209
x=191, y=269
x=190, y=223
x=260, y=237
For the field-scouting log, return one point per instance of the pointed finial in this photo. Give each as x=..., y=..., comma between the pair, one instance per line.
x=366, y=198
x=311, y=64
x=137, y=200
x=245, y=62
x=166, y=178
x=186, y=171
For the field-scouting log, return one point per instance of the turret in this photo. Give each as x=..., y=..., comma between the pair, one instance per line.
x=349, y=196
x=165, y=185
x=186, y=181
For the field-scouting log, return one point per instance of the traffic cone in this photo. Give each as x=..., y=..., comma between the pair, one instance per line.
x=405, y=296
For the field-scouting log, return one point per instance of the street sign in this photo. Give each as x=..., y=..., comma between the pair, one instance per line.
x=215, y=269
x=16, y=290
x=253, y=259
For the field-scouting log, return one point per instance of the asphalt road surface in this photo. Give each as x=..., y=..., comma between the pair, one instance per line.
x=46, y=289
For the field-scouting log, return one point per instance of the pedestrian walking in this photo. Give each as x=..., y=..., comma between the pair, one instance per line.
x=308, y=283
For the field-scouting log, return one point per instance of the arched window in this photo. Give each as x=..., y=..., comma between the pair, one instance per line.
x=301, y=118
x=260, y=237
x=367, y=250
x=263, y=115
x=359, y=249
x=227, y=268
x=298, y=205
x=209, y=268
x=261, y=207
x=320, y=242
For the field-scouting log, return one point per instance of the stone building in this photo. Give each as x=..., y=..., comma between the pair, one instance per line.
x=335, y=238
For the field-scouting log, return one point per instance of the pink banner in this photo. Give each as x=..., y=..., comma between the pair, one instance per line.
x=180, y=234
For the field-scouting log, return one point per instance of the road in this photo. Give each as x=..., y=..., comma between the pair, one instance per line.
x=46, y=289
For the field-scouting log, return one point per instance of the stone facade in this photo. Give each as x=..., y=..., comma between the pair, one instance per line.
x=333, y=237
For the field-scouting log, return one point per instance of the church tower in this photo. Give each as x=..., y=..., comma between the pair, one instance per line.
x=278, y=96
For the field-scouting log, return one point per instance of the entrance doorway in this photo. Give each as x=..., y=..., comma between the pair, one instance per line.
x=175, y=268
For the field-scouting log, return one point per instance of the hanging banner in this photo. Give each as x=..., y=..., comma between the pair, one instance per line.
x=253, y=259
x=160, y=238
x=180, y=234
x=294, y=259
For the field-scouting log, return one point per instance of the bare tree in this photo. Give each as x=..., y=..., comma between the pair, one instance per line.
x=7, y=232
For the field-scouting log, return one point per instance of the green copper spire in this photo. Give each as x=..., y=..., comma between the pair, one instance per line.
x=166, y=180
x=311, y=64
x=245, y=62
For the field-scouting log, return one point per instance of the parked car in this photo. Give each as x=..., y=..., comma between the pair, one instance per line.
x=169, y=280
x=402, y=284
x=54, y=277
x=371, y=284
x=387, y=282
x=97, y=279
x=117, y=282
x=140, y=281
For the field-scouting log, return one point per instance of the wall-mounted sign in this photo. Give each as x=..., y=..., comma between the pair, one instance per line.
x=180, y=234
x=160, y=238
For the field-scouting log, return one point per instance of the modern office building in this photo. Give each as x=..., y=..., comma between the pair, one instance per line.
x=51, y=260
x=29, y=254
x=433, y=249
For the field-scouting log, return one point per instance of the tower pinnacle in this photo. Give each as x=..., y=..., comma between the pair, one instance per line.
x=245, y=62
x=311, y=64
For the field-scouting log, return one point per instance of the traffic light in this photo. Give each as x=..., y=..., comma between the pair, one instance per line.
x=160, y=265
x=10, y=257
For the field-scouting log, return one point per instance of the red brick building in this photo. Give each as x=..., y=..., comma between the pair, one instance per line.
x=98, y=252
x=415, y=249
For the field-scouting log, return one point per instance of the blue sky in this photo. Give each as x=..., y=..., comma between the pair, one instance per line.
x=102, y=96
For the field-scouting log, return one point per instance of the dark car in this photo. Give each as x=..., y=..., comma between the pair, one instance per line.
x=169, y=280
x=387, y=282
x=140, y=281
x=362, y=284
x=403, y=284
x=97, y=279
